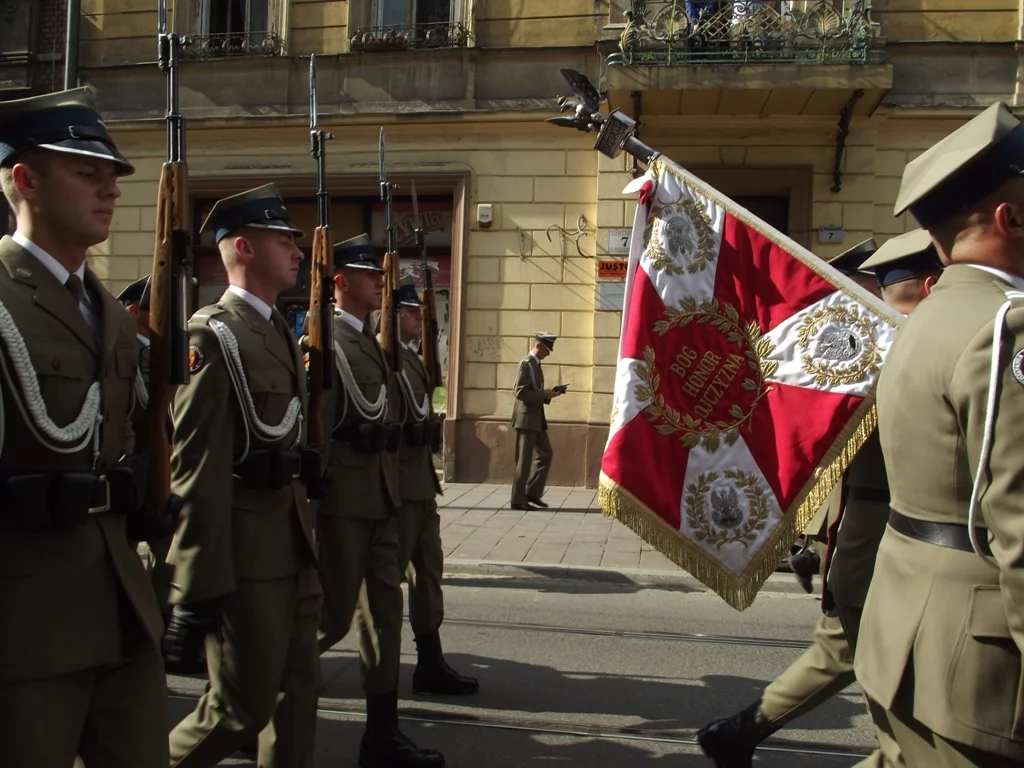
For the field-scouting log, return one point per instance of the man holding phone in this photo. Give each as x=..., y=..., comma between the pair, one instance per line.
x=533, y=447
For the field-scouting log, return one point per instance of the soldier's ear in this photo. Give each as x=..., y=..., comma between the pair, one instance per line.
x=1009, y=220
x=929, y=284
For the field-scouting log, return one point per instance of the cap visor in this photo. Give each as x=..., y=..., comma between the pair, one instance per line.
x=411, y=305
x=363, y=265
x=92, y=149
x=281, y=226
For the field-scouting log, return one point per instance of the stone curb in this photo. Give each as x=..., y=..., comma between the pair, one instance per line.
x=777, y=582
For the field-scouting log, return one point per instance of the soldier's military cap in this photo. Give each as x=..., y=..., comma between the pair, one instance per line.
x=260, y=208
x=406, y=295
x=963, y=168
x=66, y=121
x=357, y=253
x=547, y=339
x=852, y=259
x=136, y=293
x=903, y=257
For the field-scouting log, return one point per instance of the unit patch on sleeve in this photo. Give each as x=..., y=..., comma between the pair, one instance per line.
x=195, y=359
x=1017, y=366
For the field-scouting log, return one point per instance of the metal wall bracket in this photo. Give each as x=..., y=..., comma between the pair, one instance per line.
x=581, y=231
x=844, y=131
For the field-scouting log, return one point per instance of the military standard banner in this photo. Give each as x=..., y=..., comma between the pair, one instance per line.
x=744, y=387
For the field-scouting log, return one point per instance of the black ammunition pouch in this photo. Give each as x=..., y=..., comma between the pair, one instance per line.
x=421, y=433
x=54, y=501
x=268, y=469
x=370, y=436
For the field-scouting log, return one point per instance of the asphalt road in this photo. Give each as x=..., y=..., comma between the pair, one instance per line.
x=592, y=674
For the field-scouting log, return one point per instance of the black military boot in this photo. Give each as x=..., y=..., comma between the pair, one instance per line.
x=384, y=746
x=730, y=743
x=433, y=675
x=806, y=565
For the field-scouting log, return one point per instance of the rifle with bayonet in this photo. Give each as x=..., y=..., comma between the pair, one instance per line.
x=389, y=325
x=321, y=291
x=428, y=341
x=169, y=282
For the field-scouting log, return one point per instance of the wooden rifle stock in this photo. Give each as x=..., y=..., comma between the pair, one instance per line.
x=168, y=351
x=320, y=332
x=429, y=352
x=389, y=330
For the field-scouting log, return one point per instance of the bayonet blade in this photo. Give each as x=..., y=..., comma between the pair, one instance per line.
x=380, y=158
x=161, y=17
x=312, y=92
x=415, y=207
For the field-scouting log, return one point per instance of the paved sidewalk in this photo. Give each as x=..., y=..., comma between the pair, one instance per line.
x=478, y=525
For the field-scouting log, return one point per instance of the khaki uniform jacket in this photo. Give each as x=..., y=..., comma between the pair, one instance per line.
x=864, y=521
x=59, y=591
x=418, y=480
x=228, y=530
x=528, y=411
x=365, y=485
x=959, y=621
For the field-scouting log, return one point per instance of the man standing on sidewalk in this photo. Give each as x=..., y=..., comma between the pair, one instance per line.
x=419, y=526
x=357, y=530
x=533, y=446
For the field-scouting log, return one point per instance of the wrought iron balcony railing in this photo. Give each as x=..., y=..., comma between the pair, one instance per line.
x=401, y=38
x=738, y=31
x=230, y=44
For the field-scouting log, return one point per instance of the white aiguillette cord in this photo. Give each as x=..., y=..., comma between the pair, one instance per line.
x=32, y=406
x=990, y=424
x=293, y=415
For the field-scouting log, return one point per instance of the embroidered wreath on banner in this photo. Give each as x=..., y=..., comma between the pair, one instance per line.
x=726, y=522
x=847, y=351
x=681, y=229
x=694, y=431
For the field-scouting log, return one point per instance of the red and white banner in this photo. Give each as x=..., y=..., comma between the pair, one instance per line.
x=745, y=384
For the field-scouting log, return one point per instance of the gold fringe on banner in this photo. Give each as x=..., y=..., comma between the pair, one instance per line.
x=740, y=590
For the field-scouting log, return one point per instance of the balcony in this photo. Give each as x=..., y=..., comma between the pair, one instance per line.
x=746, y=32
x=232, y=44
x=747, y=57
x=411, y=37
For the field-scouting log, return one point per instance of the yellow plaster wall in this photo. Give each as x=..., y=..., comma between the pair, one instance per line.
x=949, y=20
x=318, y=26
x=536, y=23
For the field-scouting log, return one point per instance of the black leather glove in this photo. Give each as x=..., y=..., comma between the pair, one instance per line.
x=184, y=639
x=315, y=474
x=148, y=524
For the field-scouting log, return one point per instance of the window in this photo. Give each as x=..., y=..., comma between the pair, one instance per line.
x=400, y=13
x=237, y=27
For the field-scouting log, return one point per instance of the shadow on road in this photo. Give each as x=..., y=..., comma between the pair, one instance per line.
x=540, y=580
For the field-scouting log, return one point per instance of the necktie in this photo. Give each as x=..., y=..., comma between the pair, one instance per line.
x=74, y=284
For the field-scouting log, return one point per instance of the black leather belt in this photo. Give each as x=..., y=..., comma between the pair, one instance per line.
x=876, y=495
x=949, y=535
x=54, y=500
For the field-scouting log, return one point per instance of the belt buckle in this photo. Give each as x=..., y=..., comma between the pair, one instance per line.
x=105, y=507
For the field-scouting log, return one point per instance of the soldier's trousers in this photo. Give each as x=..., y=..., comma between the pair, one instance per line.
x=264, y=678
x=533, y=461
x=113, y=717
x=351, y=552
x=421, y=559
x=822, y=671
x=160, y=572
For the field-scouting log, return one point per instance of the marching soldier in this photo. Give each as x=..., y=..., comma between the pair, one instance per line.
x=903, y=272
x=244, y=558
x=357, y=530
x=80, y=669
x=419, y=526
x=135, y=299
x=807, y=563
x=940, y=643
x=533, y=446
x=906, y=268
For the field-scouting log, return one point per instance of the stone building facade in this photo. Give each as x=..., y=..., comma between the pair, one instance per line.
x=804, y=111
